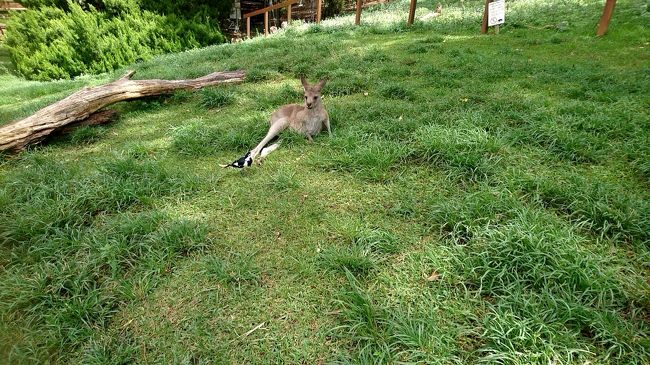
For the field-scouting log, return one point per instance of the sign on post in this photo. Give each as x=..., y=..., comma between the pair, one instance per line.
x=496, y=12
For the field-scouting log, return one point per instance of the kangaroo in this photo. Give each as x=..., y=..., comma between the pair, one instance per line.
x=308, y=119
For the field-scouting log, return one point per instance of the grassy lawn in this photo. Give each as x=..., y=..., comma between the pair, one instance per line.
x=484, y=199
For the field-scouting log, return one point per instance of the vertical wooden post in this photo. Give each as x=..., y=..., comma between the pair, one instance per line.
x=411, y=12
x=266, y=23
x=608, y=10
x=289, y=15
x=484, y=24
x=357, y=20
x=248, y=27
x=319, y=5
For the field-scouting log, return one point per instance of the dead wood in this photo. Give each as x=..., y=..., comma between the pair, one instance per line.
x=79, y=106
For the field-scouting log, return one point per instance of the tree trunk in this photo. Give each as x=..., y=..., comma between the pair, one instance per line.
x=81, y=105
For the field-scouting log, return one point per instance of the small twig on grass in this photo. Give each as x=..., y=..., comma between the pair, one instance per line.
x=254, y=329
x=208, y=289
x=127, y=324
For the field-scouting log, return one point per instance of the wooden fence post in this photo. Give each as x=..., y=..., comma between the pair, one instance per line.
x=608, y=10
x=484, y=24
x=411, y=12
x=319, y=5
x=357, y=19
x=266, y=23
x=289, y=15
x=248, y=27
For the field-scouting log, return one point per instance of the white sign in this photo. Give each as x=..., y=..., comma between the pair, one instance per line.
x=496, y=12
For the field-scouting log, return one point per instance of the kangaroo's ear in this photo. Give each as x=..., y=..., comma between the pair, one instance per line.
x=321, y=83
x=303, y=81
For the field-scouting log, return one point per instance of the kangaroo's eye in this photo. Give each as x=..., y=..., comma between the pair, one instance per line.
x=315, y=97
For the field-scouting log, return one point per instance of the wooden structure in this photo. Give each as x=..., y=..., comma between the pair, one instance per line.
x=606, y=17
x=608, y=10
x=81, y=107
x=5, y=8
x=484, y=23
x=288, y=4
x=414, y=4
x=357, y=18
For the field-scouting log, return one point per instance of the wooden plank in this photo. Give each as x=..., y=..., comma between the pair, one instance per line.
x=289, y=14
x=11, y=5
x=608, y=10
x=484, y=24
x=411, y=12
x=357, y=19
x=269, y=8
x=248, y=27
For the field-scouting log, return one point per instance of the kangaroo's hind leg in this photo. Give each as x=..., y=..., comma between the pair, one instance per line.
x=326, y=123
x=277, y=126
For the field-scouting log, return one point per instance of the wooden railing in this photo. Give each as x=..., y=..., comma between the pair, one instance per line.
x=5, y=7
x=286, y=4
x=10, y=5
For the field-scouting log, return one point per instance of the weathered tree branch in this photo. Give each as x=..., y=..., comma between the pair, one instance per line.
x=79, y=106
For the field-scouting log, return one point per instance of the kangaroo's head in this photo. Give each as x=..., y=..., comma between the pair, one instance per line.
x=312, y=92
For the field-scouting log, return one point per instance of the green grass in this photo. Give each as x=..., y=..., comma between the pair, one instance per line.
x=484, y=199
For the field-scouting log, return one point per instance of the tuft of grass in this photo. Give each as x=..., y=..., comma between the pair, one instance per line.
x=605, y=207
x=540, y=275
x=257, y=75
x=283, y=181
x=354, y=258
x=237, y=271
x=469, y=149
x=199, y=138
x=84, y=275
x=216, y=97
x=87, y=134
x=362, y=250
x=368, y=158
x=398, y=92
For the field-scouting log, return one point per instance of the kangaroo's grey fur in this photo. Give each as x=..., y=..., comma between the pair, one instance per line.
x=308, y=119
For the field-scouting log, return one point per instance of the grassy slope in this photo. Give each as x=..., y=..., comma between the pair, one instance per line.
x=514, y=168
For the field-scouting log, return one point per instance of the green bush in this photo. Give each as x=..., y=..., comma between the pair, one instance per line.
x=189, y=9
x=110, y=6
x=52, y=43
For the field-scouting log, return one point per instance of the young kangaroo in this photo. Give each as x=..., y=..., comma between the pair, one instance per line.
x=307, y=119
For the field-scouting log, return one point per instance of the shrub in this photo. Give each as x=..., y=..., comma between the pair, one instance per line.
x=111, y=6
x=189, y=9
x=51, y=43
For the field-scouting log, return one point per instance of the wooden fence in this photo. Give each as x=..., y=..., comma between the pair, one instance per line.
x=286, y=4
x=5, y=8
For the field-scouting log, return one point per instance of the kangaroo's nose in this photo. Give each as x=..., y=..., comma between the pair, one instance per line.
x=308, y=105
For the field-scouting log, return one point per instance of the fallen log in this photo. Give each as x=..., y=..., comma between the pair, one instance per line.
x=79, y=106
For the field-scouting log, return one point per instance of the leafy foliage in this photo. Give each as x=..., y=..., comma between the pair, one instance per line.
x=190, y=9
x=52, y=43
